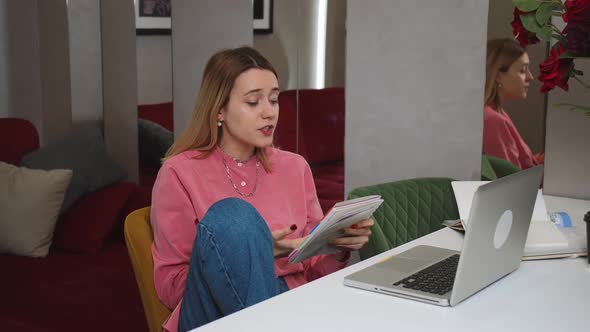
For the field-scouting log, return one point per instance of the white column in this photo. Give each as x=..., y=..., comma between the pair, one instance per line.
x=199, y=29
x=85, y=62
x=119, y=78
x=55, y=69
x=414, y=90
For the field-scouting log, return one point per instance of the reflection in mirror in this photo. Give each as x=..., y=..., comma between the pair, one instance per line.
x=306, y=46
x=154, y=85
x=527, y=113
x=307, y=49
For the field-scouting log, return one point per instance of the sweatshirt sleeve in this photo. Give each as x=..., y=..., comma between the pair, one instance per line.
x=173, y=222
x=498, y=140
x=317, y=266
x=539, y=158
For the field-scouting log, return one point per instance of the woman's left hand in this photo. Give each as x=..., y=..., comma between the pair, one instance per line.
x=354, y=237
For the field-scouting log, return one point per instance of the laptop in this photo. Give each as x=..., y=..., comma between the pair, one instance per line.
x=499, y=220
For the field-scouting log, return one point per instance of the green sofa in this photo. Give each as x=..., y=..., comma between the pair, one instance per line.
x=411, y=209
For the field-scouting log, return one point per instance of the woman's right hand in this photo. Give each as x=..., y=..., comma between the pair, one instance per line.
x=282, y=247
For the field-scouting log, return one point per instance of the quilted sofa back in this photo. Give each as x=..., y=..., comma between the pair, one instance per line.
x=411, y=209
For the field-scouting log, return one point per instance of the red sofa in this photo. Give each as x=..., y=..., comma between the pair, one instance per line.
x=320, y=136
x=73, y=290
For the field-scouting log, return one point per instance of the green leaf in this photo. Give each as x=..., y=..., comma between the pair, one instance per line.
x=544, y=12
x=544, y=33
x=526, y=5
x=529, y=22
x=567, y=55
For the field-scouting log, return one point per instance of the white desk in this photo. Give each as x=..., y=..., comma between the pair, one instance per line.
x=548, y=295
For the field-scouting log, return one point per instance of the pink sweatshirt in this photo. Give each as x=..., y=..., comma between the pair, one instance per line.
x=185, y=189
x=501, y=139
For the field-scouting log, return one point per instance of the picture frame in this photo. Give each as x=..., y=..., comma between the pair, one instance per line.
x=152, y=17
x=262, y=15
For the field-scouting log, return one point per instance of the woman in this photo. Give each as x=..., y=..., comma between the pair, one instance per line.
x=228, y=208
x=507, y=77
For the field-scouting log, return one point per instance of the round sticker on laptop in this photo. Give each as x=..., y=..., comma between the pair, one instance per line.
x=503, y=229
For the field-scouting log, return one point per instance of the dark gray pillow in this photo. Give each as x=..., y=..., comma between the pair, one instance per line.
x=85, y=154
x=153, y=141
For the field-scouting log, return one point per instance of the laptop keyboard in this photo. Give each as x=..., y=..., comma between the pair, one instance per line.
x=435, y=279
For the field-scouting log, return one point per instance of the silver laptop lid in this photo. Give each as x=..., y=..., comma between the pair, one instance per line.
x=496, y=233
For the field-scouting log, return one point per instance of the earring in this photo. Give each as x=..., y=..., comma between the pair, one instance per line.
x=499, y=84
x=218, y=123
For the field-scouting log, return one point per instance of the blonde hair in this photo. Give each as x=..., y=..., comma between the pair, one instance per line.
x=501, y=54
x=223, y=68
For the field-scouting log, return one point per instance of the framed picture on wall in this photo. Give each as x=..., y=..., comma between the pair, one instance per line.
x=262, y=16
x=152, y=17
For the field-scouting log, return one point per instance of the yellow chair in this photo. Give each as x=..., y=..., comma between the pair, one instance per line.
x=139, y=238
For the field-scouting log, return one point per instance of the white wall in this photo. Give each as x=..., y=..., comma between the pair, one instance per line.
x=34, y=62
x=281, y=47
x=194, y=23
x=291, y=46
x=55, y=69
x=567, y=161
x=154, y=61
x=154, y=69
x=414, y=90
x=20, y=71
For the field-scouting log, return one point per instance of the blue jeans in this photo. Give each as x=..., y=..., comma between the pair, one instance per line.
x=231, y=266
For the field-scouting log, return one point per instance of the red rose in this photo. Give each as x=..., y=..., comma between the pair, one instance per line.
x=555, y=71
x=523, y=36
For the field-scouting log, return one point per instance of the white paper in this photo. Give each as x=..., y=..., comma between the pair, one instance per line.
x=543, y=237
x=343, y=214
x=464, y=191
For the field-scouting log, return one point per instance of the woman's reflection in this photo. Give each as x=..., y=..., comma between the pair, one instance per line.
x=507, y=77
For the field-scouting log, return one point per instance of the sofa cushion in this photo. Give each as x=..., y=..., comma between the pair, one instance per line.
x=153, y=141
x=83, y=152
x=86, y=225
x=17, y=138
x=30, y=201
x=161, y=114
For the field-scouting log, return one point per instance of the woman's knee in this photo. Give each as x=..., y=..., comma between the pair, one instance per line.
x=233, y=215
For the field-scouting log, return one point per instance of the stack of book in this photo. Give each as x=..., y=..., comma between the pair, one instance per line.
x=342, y=215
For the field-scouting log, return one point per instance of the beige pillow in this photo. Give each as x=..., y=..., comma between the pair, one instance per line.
x=30, y=201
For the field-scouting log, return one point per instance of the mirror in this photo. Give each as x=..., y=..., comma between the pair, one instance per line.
x=308, y=51
x=154, y=85
x=306, y=46
x=527, y=114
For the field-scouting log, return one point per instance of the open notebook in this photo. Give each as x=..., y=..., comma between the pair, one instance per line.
x=544, y=240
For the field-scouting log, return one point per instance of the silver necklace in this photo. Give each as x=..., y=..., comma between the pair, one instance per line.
x=238, y=161
x=243, y=183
